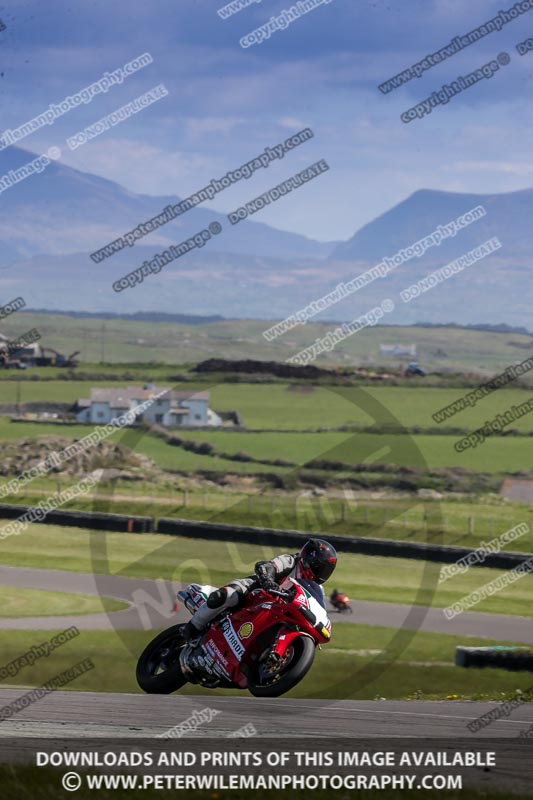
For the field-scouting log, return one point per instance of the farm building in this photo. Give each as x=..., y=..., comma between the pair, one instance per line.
x=25, y=348
x=398, y=350
x=521, y=491
x=171, y=410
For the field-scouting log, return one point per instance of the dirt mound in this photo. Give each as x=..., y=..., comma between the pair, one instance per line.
x=249, y=366
x=22, y=455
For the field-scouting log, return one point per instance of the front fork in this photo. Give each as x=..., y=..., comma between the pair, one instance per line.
x=283, y=641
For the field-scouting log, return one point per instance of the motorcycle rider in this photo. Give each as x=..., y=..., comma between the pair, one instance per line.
x=315, y=562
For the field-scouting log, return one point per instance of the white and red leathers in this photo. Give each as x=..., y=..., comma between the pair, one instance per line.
x=231, y=595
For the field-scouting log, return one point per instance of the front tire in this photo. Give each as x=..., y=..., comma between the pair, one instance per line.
x=273, y=682
x=158, y=669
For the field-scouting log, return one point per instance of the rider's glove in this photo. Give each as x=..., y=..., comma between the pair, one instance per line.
x=266, y=574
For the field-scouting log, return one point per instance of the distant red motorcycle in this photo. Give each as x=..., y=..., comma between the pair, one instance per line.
x=266, y=646
x=340, y=602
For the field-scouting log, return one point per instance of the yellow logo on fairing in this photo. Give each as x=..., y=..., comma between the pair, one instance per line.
x=246, y=630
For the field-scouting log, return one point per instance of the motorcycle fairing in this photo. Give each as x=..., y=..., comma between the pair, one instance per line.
x=236, y=640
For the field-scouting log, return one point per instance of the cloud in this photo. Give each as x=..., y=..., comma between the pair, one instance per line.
x=520, y=168
x=138, y=166
x=291, y=123
x=196, y=126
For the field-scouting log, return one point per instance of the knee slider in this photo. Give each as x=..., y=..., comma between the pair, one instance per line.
x=218, y=598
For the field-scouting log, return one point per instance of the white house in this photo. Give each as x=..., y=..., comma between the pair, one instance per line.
x=171, y=409
x=398, y=350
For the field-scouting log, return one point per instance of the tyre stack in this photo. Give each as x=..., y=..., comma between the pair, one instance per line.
x=516, y=659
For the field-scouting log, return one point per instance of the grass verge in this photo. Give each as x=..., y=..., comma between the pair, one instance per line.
x=15, y=602
x=361, y=663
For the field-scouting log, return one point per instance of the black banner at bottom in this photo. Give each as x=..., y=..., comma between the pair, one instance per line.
x=289, y=766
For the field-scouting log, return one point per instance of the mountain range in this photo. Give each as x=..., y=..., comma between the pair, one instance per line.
x=52, y=221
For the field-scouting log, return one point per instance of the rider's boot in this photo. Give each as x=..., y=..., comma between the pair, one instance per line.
x=189, y=632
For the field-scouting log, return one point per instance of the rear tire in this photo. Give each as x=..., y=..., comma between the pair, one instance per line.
x=261, y=684
x=158, y=669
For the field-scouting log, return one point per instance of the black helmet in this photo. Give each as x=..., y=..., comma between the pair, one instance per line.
x=318, y=559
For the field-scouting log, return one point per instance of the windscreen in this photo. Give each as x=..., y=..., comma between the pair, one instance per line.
x=314, y=590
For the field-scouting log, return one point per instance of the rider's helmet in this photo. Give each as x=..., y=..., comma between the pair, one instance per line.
x=317, y=560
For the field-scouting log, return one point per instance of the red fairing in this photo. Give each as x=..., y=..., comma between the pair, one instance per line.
x=236, y=642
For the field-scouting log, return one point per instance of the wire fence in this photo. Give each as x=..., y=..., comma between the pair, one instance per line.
x=399, y=518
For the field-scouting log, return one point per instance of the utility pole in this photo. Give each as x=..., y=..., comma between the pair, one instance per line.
x=102, y=345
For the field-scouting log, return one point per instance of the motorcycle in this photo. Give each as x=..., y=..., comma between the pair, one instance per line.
x=266, y=646
x=341, y=603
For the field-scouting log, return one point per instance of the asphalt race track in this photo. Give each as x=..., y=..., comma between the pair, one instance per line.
x=91, y=714
x=145, y=614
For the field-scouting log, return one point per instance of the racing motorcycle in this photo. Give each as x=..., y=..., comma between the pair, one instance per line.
x=267, y=645
x=340, y=602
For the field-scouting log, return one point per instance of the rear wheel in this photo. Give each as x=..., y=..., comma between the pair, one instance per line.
x=272, y=678
x=158, y=667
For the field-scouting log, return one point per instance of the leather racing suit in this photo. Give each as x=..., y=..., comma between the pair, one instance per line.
x=267, y=574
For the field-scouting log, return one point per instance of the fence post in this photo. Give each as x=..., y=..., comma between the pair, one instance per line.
x=470, y=524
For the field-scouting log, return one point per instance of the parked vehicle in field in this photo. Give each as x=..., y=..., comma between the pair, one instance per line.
x=413, y=368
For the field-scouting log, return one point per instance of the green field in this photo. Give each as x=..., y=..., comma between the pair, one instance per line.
x=395, y=668
x=16, y=602
x=497, y=454
x=164, y=455
x=132, y=341
x=279, y=409
x=173, y=458
x=279, y=406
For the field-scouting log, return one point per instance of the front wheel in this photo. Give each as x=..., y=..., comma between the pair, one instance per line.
x=272, y=679
x=158, y=668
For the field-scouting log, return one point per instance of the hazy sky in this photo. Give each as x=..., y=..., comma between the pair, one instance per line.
x=227, y=103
